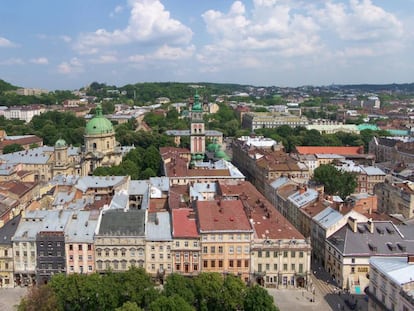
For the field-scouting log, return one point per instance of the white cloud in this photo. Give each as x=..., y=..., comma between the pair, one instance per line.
x=118, y=9
x=361, y=20
x=105, y=59
x=40, y=61
x=65, y=38
x=6, y=43
x=166, y=52
x=12, y=61
x=275, y=31
x=149, y=22
x=72, y=67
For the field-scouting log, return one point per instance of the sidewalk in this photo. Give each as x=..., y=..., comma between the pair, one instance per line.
x=10, y=297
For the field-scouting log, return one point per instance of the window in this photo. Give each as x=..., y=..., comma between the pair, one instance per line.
x=152, y=256
x=161, y=256
x=80, y=247
x=353, y=260
x=259, y=267
x=267, y=254
x=80, y=257
x=177, y=243
x=259, y=254
x=275, y=266
x=99, y=252
x=220, y=237
x=186, y=244
x=205, y=263
x=213, y=263
x=213, y=249
x=285, y=267
x=231, y=263
x=205, y=249
x=285, y=254
x=153, y=267
x=352, y=269
x=246, y=249
x=275, y=254
x=300, y=268
x=122, y=252
x=220, y=249
x=177, y=256
x=89, y=257
x=195, y=267
x=89, y=268
x=293, y=254
x=106, y=253
x=70, y=246
x=153, y=248
x=161, y=248
x=195, y=244
x=116, y=265
x=246, y=263
x=292, y=267
x=301, y=254
x=231, y=249
x=89, y=247
x=115, y=251
x=220, y=263
x=177, y=267
x=267, y=267
x=239, y=249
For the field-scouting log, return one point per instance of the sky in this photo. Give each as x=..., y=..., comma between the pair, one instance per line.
x=66, y=45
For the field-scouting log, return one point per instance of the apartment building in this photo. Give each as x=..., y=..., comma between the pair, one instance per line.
x=120, y=240
x=348, y=250
x=395, y=197
x=186, y=242
x=391, y=283
x=158, y=243
x=6, y=253
x=280, y=254
x=79, y=241
x=225, y=233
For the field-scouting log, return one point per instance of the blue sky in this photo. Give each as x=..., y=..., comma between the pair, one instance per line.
x=69, y=44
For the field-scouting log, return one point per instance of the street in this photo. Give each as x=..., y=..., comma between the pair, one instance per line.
x=10, y=297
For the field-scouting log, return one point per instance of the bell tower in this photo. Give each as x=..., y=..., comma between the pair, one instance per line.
x=197, y=130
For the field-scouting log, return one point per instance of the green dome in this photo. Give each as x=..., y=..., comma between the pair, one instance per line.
x=99, y=124
x=212, y=147
x=199, y=157
x=197, y=105
x=60, y=143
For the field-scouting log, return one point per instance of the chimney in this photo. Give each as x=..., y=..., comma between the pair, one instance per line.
x=410, y=259
x=352, y=222
x=370, y=224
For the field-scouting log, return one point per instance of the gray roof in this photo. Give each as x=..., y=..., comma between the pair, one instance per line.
x=395, y=268
x=138, y=187
x=159, y=227
x=301, y=199
x=120, y=223
x=41, y=220
x=327, y=217
x=74, y=151
x=65, y=180
x=86, y=182
x=81, y=227
x=40, y=155
x=385, y=240
x=279, y=182
x=8, y=230
x=198, y=189
x=120, y=200
x=62, y=198
x=187, y=133
x=7, y=168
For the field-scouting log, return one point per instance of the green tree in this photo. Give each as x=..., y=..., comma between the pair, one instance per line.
x=177, y=284
x=336, y=182
x=233, y=293
x=12, y=148
x=208, y=289
x=129, y=306
x=171, y=303
x=39, y=298
x=258, y=299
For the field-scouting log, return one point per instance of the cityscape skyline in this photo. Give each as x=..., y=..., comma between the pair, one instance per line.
x=67, y=45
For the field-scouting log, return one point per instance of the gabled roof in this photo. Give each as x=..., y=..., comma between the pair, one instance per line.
x=329, y=150
x=226, y=215
x=184, y=223
x=120, y=223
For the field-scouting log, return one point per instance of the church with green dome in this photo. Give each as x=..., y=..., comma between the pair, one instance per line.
x=100, y=149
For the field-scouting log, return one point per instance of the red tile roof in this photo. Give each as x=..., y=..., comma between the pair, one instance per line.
x=329, y=150
x=157, y=205
x=184, y=223
x=226, y=215
x=267, y=221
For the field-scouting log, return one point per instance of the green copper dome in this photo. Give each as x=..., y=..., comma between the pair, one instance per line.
x=60, y=143
x=197, y=105
x=99, y=124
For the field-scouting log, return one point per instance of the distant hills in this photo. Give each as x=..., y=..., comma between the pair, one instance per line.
x=160, y=88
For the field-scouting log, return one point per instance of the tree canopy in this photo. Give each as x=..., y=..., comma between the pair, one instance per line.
x=336, y=182
x=134, y=290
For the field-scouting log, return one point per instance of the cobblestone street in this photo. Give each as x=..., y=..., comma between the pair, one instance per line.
x=10, y=298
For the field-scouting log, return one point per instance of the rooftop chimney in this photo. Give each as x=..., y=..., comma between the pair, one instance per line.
x=352, y=222
x=370, y=224
x=410, y=259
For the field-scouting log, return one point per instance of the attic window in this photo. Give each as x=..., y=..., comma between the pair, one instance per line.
x=372, y=247
x=390, y=230
x=380, y=230
x=391, y=246
x=402, y=247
